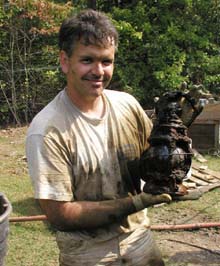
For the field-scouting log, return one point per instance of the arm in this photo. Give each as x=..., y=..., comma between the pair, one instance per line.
x=87, y=214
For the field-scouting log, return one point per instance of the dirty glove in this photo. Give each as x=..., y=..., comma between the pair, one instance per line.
x=144, y=200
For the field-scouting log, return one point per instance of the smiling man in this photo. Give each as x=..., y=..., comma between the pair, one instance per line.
x=78, y=150
x=88, y=71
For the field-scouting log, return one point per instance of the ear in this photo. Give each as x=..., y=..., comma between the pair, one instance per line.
x=64, y=62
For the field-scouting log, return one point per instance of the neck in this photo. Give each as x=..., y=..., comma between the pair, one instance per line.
x=94, y=107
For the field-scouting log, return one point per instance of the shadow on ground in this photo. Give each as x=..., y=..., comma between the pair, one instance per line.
x=26, y=207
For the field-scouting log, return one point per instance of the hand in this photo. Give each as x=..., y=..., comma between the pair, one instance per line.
x=144, y=200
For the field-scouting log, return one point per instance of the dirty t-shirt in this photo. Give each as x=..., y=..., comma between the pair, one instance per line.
x=74, y=157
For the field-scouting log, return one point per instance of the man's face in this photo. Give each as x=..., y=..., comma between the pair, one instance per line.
x=89, y=69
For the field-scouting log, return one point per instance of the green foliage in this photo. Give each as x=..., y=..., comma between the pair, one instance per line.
x=162, y=44
x=29, y=57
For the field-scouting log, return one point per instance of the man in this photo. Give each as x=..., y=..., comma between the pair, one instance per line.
x=78, y=150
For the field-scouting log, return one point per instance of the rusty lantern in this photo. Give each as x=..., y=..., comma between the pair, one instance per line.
x=166, y=163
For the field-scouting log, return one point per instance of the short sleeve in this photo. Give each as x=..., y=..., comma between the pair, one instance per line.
x=49, y=167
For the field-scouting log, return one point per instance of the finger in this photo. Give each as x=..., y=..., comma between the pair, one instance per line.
x=165, y=198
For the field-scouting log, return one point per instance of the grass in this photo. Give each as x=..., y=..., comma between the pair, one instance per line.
x=29, y=243
x=213, y=162
x=33, y=243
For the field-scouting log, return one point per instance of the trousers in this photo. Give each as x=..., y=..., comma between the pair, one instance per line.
x=136, y=248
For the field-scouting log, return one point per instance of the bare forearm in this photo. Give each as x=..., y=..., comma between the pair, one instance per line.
x=89, y=214
x=86, y=214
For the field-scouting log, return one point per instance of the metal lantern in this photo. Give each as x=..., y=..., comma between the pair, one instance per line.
x=167, y=161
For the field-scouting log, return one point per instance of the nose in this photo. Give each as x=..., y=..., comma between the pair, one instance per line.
x=98, y=69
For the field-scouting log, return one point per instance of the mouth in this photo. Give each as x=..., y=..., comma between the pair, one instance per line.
x=95, y=82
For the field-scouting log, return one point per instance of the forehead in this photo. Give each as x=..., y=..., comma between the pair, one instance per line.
x=80, y=49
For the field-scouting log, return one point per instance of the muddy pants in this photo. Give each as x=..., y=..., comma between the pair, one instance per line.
x=128, y=249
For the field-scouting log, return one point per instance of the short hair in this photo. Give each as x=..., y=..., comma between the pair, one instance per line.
x=91, y=27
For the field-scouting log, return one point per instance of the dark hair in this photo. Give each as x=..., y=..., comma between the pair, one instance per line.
x=89, y=26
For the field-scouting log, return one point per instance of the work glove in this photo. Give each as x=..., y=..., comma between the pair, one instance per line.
x=144, y=200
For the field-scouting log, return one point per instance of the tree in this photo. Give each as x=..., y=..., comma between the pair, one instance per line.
x=30, y=28
x=162, y=44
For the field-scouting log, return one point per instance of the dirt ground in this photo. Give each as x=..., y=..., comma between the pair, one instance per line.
x=194, y=247
x=200, y=247
x=185, y=248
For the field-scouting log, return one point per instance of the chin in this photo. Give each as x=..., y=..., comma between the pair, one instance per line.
x=97, y=91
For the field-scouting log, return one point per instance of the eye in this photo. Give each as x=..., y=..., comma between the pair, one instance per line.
x=86, y=60
x=107, y=62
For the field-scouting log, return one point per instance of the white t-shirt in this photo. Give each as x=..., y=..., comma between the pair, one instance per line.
x=75, y=157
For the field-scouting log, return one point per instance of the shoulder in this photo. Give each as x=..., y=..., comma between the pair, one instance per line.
x=123, y=100
x=125, y=105
x=120, y=97
x=50, y=116
x=113, y=94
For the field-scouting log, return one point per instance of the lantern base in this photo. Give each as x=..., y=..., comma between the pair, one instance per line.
x=178, y=190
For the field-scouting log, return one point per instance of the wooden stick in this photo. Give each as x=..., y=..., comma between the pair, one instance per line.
x=152, y=227
x=28, y=218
